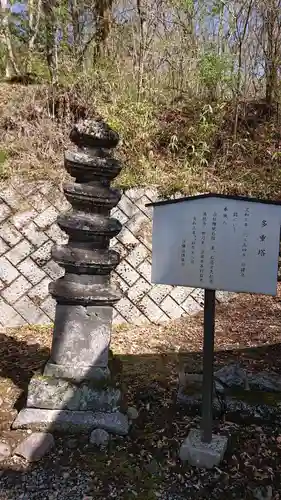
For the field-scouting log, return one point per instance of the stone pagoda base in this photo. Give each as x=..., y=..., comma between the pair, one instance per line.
x=72, y=422
x=74, y=406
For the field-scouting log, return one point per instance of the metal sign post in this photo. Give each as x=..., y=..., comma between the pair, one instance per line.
x=208, y=368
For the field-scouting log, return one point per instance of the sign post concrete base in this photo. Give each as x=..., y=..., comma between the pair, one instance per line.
x=201, y=454
x=204, y=449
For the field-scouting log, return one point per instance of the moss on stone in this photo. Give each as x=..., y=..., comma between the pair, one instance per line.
x=253, y=397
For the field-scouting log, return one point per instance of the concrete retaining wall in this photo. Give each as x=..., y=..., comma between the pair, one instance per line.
x=28, y=230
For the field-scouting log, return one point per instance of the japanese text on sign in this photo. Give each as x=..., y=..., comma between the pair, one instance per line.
x=219, y=243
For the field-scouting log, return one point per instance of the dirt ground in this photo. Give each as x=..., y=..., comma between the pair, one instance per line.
x=145, y=464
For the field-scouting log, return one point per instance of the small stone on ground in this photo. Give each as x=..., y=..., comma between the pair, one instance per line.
x=264, y=493
x=132, y=413
x=35, y=446
x=5, y=451
x=99, y=437
x=153, y=468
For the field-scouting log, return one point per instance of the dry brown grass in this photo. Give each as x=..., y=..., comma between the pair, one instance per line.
x=33, y=142
x=187, y=147
x=246, y=321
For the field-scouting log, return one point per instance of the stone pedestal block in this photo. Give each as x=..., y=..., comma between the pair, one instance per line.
x=73, y=422
x=77, y=357
x=56, y=393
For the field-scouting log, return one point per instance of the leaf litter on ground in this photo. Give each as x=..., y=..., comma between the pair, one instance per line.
x=145, y=464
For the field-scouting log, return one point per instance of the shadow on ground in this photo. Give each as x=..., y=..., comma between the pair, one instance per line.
x=145, y=464
x=19, y=360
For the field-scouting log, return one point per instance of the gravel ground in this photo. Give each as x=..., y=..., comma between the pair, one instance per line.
x=145, y=464
x=34, y=485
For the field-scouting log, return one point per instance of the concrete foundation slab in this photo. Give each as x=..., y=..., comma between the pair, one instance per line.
x=203, y=455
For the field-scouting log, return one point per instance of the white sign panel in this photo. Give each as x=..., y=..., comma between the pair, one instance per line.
x=217, y=243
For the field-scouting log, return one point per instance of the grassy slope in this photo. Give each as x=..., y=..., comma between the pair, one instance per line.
x=187, y=147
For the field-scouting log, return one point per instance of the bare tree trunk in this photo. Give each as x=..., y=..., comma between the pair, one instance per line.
x=241, y=38
x=48, y=7
x=33, y=24
x=272, y=27
x=103, y=12
x=141, y=51
x=218, y=90
x=74, y=12
x=11, y=64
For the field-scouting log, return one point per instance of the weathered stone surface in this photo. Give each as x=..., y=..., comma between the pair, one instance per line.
x=132, y=413
x=77, y=373
x=190, y=386
x=5, y=451
x=245, y=406
x=264, y=381
x=99, y=437
x=153, y=468
x=235, y=376
x=10, y=315
x=95, y=134
x=192, y=400
x=71, y=421
x=203, y=455
x=232, y=376
x=263, y=493
x=81, y=336
x=35, y=446
x=241, y=396
x=51, y=393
